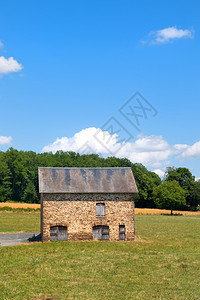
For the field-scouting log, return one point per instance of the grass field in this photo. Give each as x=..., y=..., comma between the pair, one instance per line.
x=164, y=263
x=19, y=222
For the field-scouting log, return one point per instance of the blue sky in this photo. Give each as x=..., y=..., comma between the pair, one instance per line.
x=67, y=67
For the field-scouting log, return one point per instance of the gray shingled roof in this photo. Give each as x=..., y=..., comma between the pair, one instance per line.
x=86, y=180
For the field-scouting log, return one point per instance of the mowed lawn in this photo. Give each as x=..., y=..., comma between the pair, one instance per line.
x=164, y=263
x=19, y=222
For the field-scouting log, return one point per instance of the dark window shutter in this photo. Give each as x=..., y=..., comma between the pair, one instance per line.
x=97, y=232
x=100, y=209
x=105, y=233
x=54, y=233
x=122, y=235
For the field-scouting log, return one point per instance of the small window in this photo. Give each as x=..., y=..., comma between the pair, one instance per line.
x=122, y=232
x=100, y=210
x=101, y=232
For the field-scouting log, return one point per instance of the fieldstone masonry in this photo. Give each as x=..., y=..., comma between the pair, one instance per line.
x=78, y=213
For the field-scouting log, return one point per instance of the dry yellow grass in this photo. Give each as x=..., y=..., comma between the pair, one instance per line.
x=155, y=211
x=138, y=211
x=20, y=205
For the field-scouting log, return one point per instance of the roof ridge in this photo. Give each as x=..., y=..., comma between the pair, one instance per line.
x=84, y=168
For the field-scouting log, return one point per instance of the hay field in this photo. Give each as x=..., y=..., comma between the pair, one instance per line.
x=19, y=205
x=155, y=211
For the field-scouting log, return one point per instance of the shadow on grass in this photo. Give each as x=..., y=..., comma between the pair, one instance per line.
x=174, y=215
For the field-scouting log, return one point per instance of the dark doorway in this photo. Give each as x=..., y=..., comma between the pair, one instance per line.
x=101, y=232
x=58, y=233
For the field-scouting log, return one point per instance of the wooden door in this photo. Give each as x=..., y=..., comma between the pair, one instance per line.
x=105, y=233
x=101, y=232
x=58, y=233
x=97, y=232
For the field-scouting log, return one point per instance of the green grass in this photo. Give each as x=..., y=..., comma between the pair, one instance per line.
x=19, y=221
x=164, y=264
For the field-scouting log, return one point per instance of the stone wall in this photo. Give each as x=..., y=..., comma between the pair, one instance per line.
x=78, y=213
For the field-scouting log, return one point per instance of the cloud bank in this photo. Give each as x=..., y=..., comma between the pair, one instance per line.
x=152, y=151
x=167, y=35
x=5, y=140
x=9, y=65
x=192, y=151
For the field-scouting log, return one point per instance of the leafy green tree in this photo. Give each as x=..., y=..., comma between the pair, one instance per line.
x=23, y=168
x=146, y=182
x=186, y=180
x=30, y=194
x=182, y=175
x=5, y=180
x=169, y=195
x=193, y=199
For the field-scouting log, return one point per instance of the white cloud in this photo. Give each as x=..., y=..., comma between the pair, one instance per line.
x=159, y=172
x=167, y=35
x=9, y=65
x=192, y=151
x=5, y=140
x=152, y=151
x=1, y=44
x=180, y=147
x=77, y=142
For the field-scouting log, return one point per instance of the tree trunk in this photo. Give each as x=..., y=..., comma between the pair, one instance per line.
x=171, y=212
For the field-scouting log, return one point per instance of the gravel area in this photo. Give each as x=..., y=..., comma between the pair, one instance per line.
x=12, y=239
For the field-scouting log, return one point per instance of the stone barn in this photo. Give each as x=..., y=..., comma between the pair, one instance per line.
x=87, y=203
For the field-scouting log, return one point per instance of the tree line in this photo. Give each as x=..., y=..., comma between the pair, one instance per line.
x=19, y=178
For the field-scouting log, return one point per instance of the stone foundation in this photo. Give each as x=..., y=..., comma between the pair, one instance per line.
x=78, y=213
